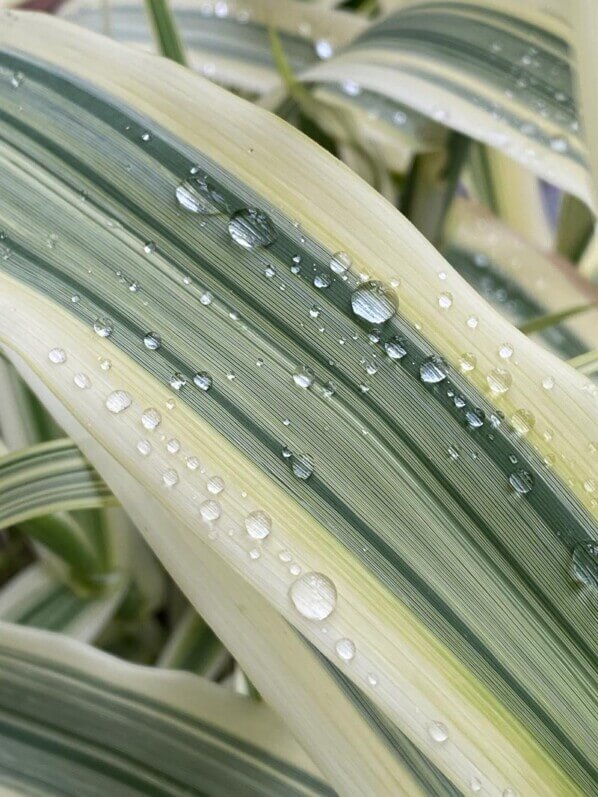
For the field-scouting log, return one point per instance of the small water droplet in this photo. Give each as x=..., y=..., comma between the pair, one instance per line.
x=340, y=262
x=523, y=421
x=438, y=732
x=314, y=596
x=144, y=447
x=57, y=356
x=505, y=350
x=103, y=327
x=509, y=792
x=206, y=298
x=192, y=463
x=202, y=380
x=210, y=510
x=472, y=321
x=152, y=341
x=251, y=228
x=258, y=525
x=445, y=300
x=372, y=302
x=173, y=446
x=345, y=649
x=170, y=477
x=254, y=553
x=105, y=365
x=151, y=419
x=146, y=136
x=149, y=248
x=324, y=49
x=177, y=381
x=82, y=381
x=215, y=485
x=302, y=466
x=433, y=370
x=396, y=348
x=548, y=383
x=521, y=481
x=372, y=679
x=453, y=452
x=584, y=563
x=475, y=784
x=118, y=401
x=322, y=281
x=467, y=362
x=559, y=144
x=499, y=380
x=475, y=418
x=285, y=556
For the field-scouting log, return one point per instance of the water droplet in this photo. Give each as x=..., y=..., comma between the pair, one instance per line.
x=304, y=377
x=523, y=422
x=340, y=262
x=372, y=302
x=438, y=732
x=475, y=418
x=294, y=570
x=192, y=463
x=372, y=679
x=177, y=381
x=82, y=381
x=196, y=196
x=559, y=144
x=57, y=356
x=345, y=649
x=467, y=362
x=548, y=383
x=118, y=401
x=499, y=380
x=314, y=596
x=521, y=481
x=399, y=118
x=433, y=370
x=324, y=49
x=453, y=452
x=146, y=136
x=475, y=784
x=152, y=341
x=322, y=281
x=105, y=365
x=173, y=446
x=396, y=348
x=170, y=477
x=17, y=79
x=149, y=248
x=509, y=792
x=472, y=321
x=254, y=554
x=445, y=300
x=202, y=380
x=206, y=298
x=302, y=466
x=151, y=419
x=258, y=525
x=144, y=447
x=103, y=327
x=584, y=563
x=210, y=510
x=505, y=350
x=251, y=228
x=285, y=556
x=215, y=485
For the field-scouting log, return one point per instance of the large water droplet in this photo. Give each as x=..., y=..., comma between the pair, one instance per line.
x=57, y=356
x=314, y=596
x=210, y=510
x=177, y=381
x=467, y=362
x=151, y=419
x=396, y=348
x=215, y=485
x=584, y=563
x=103, y=327
x=118, y=401
x=251, y=228
x=304, y=377
x=340, y=262
x=258, y=525
x=499, y=380
x=170, y=477
x=521, y=481
x=345, y=649
x=433, y=370
x=438, y=732
x=196, y=196
x=475, y=418
x=202, y=380
x=372, y=302
x=152, y=341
